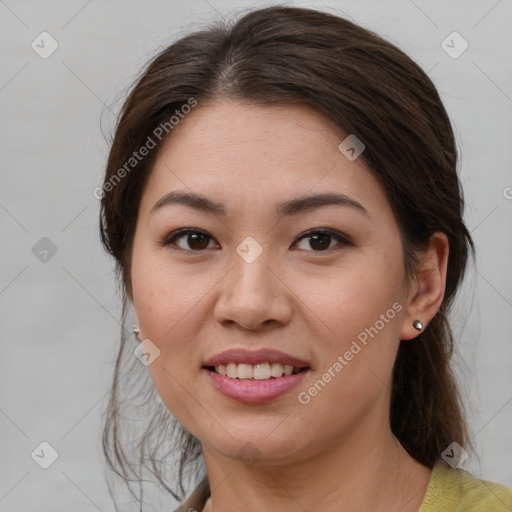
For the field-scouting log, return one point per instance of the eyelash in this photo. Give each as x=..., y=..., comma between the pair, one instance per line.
x=180, y=233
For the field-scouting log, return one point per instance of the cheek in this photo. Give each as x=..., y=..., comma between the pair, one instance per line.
x=356, y=349
x=170, y=312
x=171, y=379
x=351, y=298
x=358, y=314
x=163, y=294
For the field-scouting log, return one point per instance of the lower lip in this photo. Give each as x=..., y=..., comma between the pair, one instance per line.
x=255, y=391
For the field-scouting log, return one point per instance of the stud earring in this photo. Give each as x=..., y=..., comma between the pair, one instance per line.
x=136, y=332
x=417, y=325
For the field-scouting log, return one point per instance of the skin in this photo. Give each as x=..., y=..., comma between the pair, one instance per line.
x=337, y=451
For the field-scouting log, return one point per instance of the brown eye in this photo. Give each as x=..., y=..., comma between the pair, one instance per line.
x=320, y=240
x=195, y=240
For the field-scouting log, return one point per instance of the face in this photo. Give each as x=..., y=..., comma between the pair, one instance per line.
x=321, y=283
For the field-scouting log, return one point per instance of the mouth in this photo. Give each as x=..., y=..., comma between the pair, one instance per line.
x=255, y=384
x=255, y=376
x=261, y=371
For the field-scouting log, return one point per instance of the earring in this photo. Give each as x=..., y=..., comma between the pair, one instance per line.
x=417, y=325
x=136, y=332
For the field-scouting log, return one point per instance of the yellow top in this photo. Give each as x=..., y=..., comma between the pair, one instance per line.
x=456, y=490
x=449, y=490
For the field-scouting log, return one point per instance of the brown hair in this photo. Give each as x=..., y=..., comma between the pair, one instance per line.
x=370, y=88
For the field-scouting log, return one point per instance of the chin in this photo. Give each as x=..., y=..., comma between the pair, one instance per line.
x=252, y=448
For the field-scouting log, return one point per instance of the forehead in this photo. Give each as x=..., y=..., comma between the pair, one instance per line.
x=231, y=130
x=239, y=151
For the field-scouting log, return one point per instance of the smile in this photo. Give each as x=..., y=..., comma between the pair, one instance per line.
x=252, y=390
x=262, y=371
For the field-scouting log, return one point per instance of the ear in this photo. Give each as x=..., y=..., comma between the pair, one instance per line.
x=427, y=291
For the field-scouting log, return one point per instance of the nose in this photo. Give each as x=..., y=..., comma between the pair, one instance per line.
x=254, y=296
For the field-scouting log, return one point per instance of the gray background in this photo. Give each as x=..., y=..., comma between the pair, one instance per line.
x=59, y=318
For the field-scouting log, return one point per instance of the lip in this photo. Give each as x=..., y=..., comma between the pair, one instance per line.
x=264, y=355
x=255, y=391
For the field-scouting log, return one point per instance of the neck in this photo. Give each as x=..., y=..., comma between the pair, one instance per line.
x=354, y=476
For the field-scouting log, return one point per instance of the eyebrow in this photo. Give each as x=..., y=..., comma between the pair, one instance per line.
x=286, y=208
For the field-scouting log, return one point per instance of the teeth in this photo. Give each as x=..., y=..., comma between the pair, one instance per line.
x=288, y=370
x=263, y=371
x=231, y=370
x=244, y=371
x=277, y=370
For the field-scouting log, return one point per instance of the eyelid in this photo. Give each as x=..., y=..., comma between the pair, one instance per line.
x=172, y=237
x=327, y=231
x=169, y=239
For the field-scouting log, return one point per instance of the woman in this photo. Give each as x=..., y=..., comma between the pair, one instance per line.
x=282, y=202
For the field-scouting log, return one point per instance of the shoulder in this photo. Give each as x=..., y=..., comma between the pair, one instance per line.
x=457, y=490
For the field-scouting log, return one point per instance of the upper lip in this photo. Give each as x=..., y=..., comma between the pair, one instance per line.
x=264, y=355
